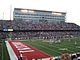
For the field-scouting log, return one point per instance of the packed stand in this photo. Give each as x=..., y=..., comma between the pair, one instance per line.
x=22, y=25
x=44, y=35
x=46, y=30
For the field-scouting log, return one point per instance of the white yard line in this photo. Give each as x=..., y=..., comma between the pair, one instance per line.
x=11, y=52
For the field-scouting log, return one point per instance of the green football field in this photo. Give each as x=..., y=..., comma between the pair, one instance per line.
x=70, y=46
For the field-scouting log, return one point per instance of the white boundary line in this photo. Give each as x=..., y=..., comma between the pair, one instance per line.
x=11, y=52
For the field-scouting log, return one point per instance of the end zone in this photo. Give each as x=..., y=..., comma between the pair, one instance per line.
x=19, y=49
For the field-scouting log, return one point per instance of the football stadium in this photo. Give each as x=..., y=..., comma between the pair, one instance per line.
x=39, y=35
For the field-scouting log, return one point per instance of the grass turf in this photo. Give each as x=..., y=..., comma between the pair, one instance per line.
x=55, y=49
x=5, y=52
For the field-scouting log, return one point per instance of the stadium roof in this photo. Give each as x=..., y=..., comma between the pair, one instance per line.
x=39, y=10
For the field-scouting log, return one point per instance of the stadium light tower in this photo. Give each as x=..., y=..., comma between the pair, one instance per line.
x=3, y=15
x=10, y=11
x=10, y=30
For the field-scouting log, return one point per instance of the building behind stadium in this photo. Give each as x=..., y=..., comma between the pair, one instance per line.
x=36, y=16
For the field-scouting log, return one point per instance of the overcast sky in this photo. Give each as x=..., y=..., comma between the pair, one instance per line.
x=71, y=7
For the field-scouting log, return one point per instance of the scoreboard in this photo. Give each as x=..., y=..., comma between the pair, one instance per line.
x=7, y=29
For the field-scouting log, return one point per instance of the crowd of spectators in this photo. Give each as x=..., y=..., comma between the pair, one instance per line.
x=67, y=56
x=22, y=25
x=46, y=30
x=44, y=35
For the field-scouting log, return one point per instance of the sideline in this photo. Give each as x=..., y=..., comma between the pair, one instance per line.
x=11, y=52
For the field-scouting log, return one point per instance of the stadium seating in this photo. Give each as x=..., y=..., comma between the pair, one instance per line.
x=22, y=25
x=39, y=30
